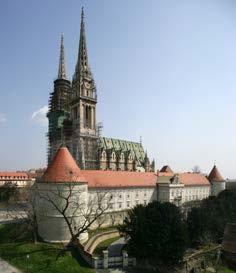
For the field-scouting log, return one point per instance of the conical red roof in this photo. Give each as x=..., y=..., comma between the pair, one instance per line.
x=215, y=175
x=63, y=168
x=166, y=169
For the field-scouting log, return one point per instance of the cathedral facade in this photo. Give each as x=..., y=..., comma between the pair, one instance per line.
x=72, y=121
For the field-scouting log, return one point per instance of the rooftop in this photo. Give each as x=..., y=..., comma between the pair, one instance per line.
x=63, y=168
x=215, y=175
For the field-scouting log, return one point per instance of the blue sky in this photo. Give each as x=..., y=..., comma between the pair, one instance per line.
x=165, y=70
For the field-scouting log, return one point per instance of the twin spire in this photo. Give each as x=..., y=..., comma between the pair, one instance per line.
x=82, y=62
x=62, y=67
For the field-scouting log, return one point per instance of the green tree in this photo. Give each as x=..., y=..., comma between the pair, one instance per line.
x=8, y=191
x=206, y=223
x=155, y=232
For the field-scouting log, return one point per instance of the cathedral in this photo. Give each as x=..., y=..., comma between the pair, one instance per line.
x=72, y=121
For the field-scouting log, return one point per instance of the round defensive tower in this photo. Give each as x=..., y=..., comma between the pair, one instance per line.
x=61, y=186
x=217, y=181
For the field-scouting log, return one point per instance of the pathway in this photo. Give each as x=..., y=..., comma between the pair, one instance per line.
x=115, y=248
x=5, y=267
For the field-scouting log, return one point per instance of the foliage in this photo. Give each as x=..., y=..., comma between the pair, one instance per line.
x=104, y=245
x=206, y=223
x=43, y=257
x=8, y=191
x=156, y=232
x=25, y=212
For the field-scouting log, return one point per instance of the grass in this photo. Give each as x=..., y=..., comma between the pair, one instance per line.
x=224, y=270
x=96, y=231
x=104, y=245
x=15, y=245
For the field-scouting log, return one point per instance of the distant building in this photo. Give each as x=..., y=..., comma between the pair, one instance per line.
x=20, y=179
x=72, y=120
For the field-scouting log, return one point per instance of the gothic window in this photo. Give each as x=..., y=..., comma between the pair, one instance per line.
x=88, y=116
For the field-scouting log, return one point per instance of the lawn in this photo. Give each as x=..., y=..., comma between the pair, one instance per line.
x=224, y=270
x=104, y=245
x=15, y=245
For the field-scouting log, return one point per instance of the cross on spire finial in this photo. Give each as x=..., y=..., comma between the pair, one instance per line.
x=62, y=68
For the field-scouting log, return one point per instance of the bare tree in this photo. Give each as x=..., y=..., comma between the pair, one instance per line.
x=26, y=212
x=79, y=212
x=196, y=169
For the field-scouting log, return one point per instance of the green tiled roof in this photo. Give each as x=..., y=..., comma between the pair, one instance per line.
x=123, y=145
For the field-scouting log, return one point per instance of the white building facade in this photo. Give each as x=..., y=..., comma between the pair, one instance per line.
x=119, y=191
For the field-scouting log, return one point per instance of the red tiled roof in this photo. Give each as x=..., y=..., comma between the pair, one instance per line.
x=192, y=179
x=14, y=175
x=115, y=179
x=166, y=169
x=63, y=168
x=188, y=179
x=215, y=175
x=164, y=174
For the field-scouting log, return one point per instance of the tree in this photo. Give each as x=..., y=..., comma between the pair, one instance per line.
x=79, y=212
x=207, y=222
x=155, y=232
x=8, y=191
x=26, y=212
x=196, y=169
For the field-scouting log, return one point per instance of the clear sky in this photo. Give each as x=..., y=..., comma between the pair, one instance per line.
x=164, y=69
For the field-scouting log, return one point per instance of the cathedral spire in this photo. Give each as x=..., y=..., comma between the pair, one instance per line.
x=82, y=62
x=62, y=68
